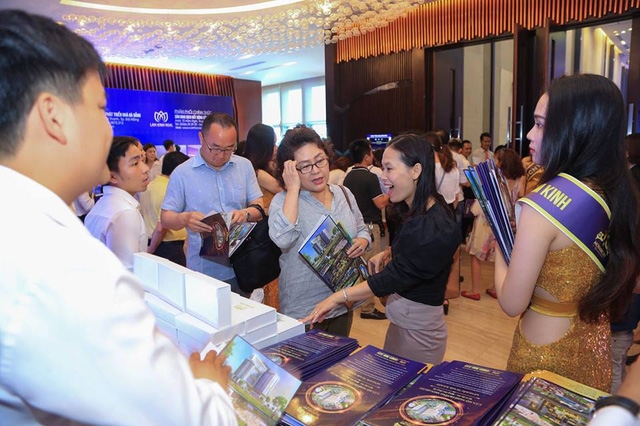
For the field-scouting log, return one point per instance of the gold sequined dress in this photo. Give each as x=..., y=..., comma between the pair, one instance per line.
x=584, y=352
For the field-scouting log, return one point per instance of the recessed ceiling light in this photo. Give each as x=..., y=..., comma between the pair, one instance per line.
x=288, y=64
x=630, y=29
x=248, y=72
x=624, y=43
x=623, y=32
x=250, y=55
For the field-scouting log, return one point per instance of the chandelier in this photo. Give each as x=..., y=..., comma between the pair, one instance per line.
x=286, y=29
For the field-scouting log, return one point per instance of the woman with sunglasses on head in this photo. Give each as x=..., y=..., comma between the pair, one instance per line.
x=574, y=262
x=414, y=271
x=303, y=170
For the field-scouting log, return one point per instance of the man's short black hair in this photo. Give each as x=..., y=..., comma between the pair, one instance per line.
x=482, y=135
x=224, y=120
x=119, y=148
x=358, y=149
x=38, y=55
x=172, y=160
x=168, y=143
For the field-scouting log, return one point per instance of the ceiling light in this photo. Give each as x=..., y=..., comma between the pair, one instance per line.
x=623, y=32
x=211, y=11
x=248, y=72
x=247, y=56
x=288, y=64
x=624, y=43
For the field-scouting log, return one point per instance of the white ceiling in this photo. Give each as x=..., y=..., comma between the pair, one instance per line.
x=211, y=43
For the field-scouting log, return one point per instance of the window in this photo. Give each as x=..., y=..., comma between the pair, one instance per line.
x=299, y=102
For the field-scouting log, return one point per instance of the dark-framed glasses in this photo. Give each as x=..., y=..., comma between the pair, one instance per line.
x=216, y=150
x=309, y=167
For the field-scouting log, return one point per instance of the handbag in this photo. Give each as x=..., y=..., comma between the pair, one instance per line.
x=257, y=261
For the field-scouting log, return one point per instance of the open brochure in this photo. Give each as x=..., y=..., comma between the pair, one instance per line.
x=545, y=398
x=325, y=250
x=259, y=388
x=492, y=192
x=223, y=240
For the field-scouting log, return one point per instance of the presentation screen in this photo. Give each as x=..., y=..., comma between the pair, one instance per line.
x=153, y=117
x=379, y=140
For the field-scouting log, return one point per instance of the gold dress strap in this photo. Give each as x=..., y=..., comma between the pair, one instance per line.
x=553, y=309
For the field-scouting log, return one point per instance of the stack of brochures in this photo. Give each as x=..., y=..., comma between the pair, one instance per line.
x=451, y=393
x=492, y=192
x=344, y=393
x=260, y=390
x=308, y=354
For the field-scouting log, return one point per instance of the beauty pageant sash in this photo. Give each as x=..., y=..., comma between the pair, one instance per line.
x=578, y=211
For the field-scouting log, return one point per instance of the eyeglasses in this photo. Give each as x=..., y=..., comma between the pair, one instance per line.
x=309, y=167
x=215, y=150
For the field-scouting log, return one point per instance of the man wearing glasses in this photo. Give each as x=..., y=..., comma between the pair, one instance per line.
x=215, y=180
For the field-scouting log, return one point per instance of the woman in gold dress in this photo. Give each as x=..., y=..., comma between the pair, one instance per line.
x=562, y=291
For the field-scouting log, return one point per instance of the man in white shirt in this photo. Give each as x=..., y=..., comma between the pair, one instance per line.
x=77, y=342
x=484, y=152
x=116, y=220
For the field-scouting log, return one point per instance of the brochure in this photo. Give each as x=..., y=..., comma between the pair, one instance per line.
x=325, y=250
x=219, y=244
x=492, y=192
x=260, y=389
x=545, y=398
x=452, y=393
x=347, y=391
x=307, y=354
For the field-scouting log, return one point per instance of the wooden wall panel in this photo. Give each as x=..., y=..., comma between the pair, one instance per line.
x=161, y=80
x=444, y=22
x=380, y=95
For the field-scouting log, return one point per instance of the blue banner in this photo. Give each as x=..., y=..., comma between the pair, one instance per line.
x=153, y=117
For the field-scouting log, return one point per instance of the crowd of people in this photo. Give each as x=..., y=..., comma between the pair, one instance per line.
x=570, y=279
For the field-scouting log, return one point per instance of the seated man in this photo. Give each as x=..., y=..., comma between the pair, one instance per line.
x=78, y=343
x=115, y=219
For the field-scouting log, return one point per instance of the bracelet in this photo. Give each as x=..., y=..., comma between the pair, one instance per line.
x=344, y=294
x=620, y=401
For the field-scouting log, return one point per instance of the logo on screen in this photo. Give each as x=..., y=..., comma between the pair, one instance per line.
x=161, y=116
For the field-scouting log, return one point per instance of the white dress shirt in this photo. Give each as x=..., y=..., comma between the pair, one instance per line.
x=77, y=342
x=116, y=221
x=479, y=155
x=462, y=164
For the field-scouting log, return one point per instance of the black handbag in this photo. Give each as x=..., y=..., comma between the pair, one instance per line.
x=257, y=261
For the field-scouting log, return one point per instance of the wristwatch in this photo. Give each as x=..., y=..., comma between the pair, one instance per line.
x=620, y=401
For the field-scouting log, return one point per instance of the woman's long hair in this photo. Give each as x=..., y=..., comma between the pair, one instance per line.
x=415, y=149
x=584, y=137
x=259, y=146
x=442, y=151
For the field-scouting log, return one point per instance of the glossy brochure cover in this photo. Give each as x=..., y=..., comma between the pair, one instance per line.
x=260, y=389
x=452, y=393
x=348, y=390
x=220, y=244
x=325, y=250
x=311, y=352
